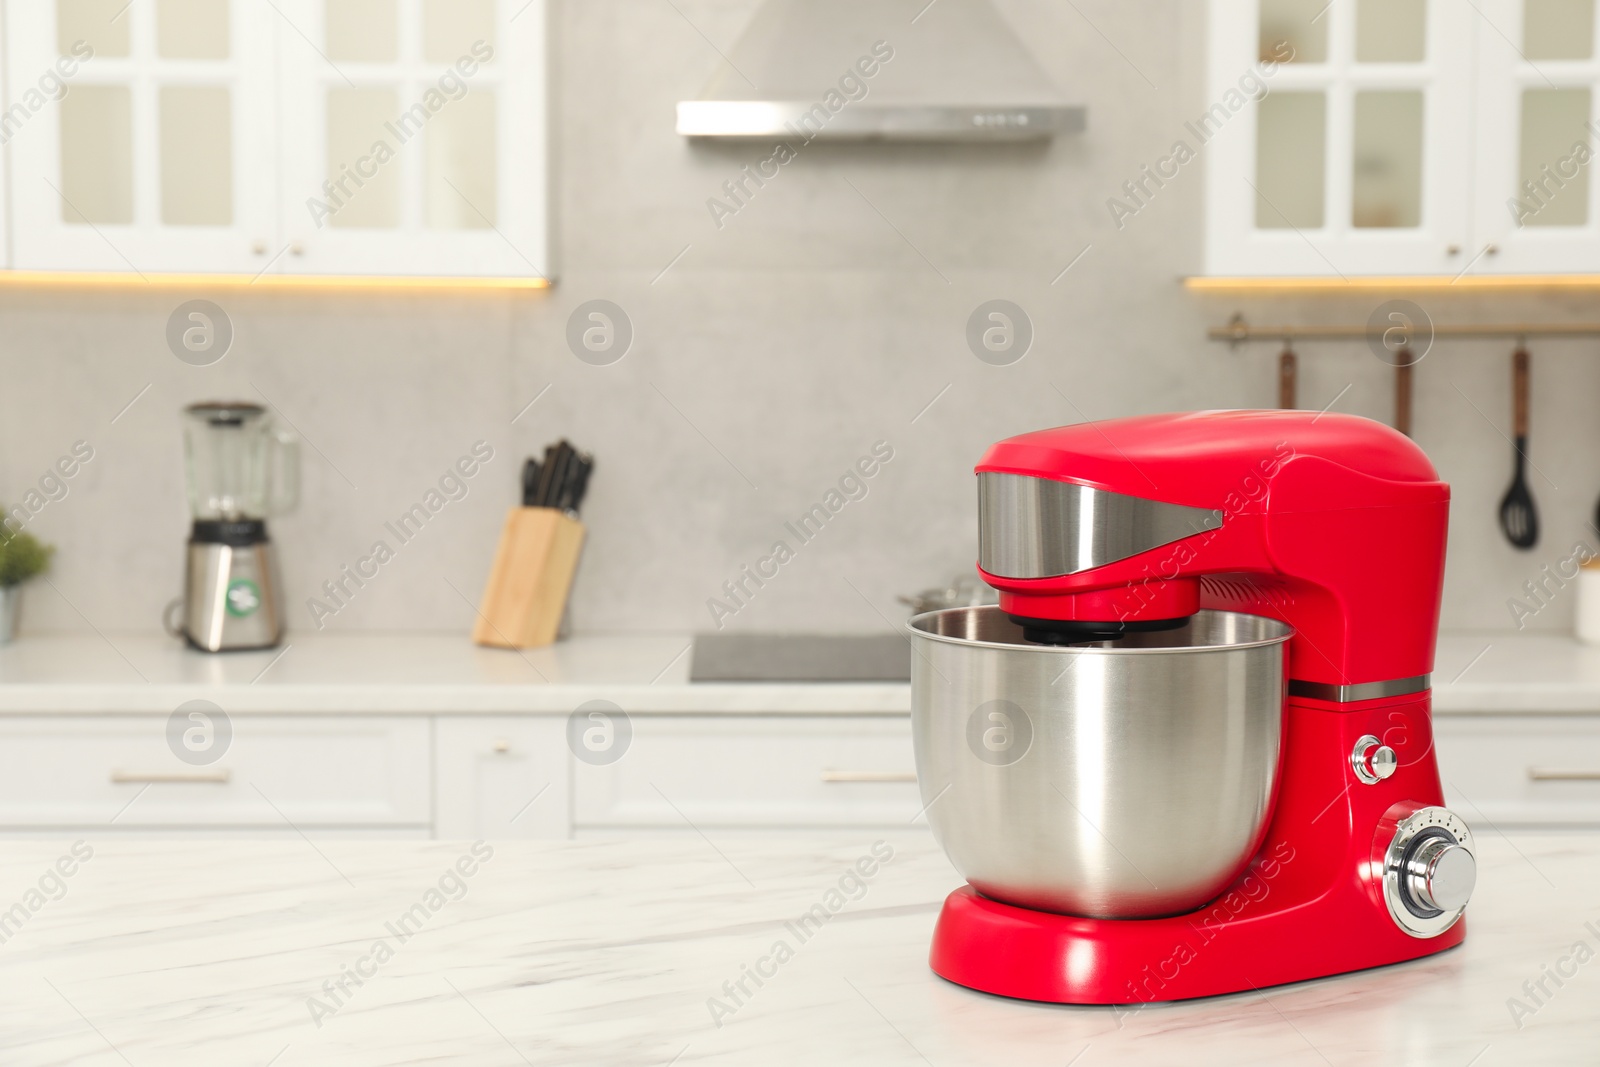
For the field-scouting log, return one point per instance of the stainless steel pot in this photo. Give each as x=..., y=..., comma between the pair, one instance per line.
x=965, y=591
x=1117, y=779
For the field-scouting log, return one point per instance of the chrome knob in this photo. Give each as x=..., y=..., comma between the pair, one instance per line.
x=1372, y=760
x=1424, y=857
x=1440, y=874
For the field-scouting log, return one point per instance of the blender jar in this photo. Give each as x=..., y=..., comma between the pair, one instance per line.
x=240, y=466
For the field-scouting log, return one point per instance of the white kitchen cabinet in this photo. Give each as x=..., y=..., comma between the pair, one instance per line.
x=1536, y=88
x=413, y=138
x=501, y=777
x=688, y=773
x=1398, y=137
x=298, y=137
x=509, y=776
x=452, y=776
x=1502, y=771
x=278, y=773
x=158, y=157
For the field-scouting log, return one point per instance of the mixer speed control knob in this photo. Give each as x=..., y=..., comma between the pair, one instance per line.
x=1372, y=760
x=1425, y=856
x=1440, y=874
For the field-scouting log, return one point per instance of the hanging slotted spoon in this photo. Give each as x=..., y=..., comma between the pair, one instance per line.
x=1518, y=517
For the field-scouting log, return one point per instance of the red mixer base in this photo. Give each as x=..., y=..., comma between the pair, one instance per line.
x=1064, y=959
x=1309, y=905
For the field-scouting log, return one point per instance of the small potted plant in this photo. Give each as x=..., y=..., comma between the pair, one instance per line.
x=21, y=557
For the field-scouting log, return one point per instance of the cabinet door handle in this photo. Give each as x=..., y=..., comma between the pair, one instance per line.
x=832, y=777
x=1542, y=774
x=218, y=777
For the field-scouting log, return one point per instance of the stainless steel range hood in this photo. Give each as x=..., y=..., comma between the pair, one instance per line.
x=879, y=70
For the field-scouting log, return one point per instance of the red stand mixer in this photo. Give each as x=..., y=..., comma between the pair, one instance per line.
x=1190, y=752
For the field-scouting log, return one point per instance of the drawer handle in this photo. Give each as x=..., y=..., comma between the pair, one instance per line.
x=832, y=777
x=1539, y=774
x=219, y=777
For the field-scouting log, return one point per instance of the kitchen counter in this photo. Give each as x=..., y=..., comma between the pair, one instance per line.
x=1506, y=672
x=400, y=672
x=191, y=952
x=442, y=673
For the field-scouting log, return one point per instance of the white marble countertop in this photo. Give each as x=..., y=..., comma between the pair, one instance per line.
x=399, y=672
x=1506, y=672
x=210, y=952
x=442, y=672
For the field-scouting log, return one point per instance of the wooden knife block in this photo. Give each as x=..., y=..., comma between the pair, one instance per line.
x=532, y=574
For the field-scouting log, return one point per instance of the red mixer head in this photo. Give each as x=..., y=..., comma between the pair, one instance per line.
x=1332, y=523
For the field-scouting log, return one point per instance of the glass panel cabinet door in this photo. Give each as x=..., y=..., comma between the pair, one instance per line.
x=1539, y=76
x=140, y=135
x=414, y=134
x=1337, y=137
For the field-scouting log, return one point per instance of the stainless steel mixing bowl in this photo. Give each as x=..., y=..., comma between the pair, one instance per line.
x=1117, y=779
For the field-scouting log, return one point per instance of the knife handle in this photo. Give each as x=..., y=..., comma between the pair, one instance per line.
x=530, y=481
x=580, y=482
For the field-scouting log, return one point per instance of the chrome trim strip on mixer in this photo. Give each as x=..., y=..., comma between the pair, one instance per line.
x=1039, y=528
x=1344, y=694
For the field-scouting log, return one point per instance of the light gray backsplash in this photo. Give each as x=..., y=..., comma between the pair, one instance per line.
x=825, y=316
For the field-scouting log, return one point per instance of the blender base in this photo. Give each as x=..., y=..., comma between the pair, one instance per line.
x=1065, y=959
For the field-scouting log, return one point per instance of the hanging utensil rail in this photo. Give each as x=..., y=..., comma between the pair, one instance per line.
x=1238, y=330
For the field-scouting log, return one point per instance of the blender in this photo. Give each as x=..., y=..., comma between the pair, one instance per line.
x=241, y=468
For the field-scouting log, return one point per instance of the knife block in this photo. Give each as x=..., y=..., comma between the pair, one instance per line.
x=526, y=594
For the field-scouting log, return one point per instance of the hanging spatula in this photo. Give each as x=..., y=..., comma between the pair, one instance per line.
x=1518, y=517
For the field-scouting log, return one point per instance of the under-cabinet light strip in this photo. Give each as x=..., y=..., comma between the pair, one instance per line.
x=1238, y=331
x=1398, y=282
x=21, y=279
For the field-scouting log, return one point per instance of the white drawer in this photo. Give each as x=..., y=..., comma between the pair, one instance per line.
x=501, y=777
x=279, y=772
x=1521, y=770
x=687, y=772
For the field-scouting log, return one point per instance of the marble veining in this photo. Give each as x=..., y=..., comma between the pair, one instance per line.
x=611, y=952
